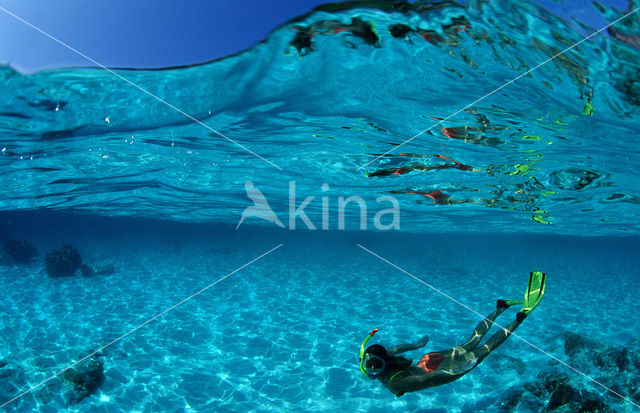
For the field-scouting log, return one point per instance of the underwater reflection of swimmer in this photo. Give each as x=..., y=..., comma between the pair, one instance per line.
x=358, y=28
x=438, y=197
x=451, y=31
x=628, y=32
x=421, y=168
x=398, y=374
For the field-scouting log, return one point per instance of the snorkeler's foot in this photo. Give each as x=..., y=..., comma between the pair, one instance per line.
x=521, y=316
x=535, y=291
x=508, y=303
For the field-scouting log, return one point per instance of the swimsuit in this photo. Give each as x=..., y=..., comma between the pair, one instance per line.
x=430, y=361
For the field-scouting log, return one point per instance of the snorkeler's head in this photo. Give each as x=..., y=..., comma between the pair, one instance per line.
x=374, y=361
x=377, y=349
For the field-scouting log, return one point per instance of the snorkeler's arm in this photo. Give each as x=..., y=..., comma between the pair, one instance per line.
x=401, y=348
x=422, y=381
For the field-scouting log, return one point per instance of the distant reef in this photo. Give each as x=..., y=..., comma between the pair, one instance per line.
x=559, y=389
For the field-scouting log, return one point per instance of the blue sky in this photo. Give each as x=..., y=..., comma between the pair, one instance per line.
x=160, y=33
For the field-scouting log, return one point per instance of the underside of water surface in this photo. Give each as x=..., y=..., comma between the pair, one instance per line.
x=372, y=101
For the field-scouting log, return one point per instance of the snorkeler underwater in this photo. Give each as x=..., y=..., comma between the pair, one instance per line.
x=298, y=205
x=442, y=367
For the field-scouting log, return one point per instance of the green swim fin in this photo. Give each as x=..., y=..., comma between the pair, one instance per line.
x=535, y=291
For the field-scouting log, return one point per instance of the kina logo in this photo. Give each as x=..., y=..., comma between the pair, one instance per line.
x=260, y=207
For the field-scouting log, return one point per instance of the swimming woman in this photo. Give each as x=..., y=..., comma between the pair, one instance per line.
x=437, y=368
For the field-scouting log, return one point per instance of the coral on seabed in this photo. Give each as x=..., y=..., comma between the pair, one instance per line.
x=86, y=270
x=106, y=269
x=84, y=379
x=66, y=261
x=63, y=262
x=559, y=391
x=19, y=251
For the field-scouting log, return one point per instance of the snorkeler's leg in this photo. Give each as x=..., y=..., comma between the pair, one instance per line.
x=464, y=362
x=497, y=339
x=483, y=327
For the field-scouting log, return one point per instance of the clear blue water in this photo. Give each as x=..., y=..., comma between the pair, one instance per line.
x=546, y=178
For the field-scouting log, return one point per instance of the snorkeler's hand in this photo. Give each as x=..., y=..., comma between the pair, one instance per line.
x=401, y=348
